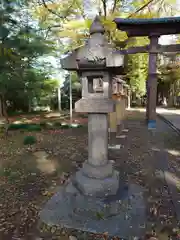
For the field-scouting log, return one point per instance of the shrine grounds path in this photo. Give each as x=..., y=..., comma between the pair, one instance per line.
x=29, y=178
x=152, y=159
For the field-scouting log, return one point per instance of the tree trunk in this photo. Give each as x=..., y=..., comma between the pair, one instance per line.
x=4, y=107
x=59, y=99
x=1, y=107
x=29, y=107
x=171, y=96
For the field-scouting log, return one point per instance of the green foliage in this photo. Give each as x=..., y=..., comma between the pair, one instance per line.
x=65, y=126
x=19, y=126
x=100, y=216
x=57, y=124
x=73, y=26
x=43, y=124
x=137, y=67
x=34, y=127
x=24, y=126
x=49, y=125
x=20, y=47
x=29, y=140
x=76, y=90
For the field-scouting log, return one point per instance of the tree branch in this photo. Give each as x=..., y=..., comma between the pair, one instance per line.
x=51, y=11
x=115, y=5
x=104, y=8
x=54, y=12
x=140, y=9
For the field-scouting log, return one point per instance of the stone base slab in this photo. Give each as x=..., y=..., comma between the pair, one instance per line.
x=121, y=215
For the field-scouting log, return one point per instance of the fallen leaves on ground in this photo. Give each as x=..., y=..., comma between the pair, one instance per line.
x=24, y=188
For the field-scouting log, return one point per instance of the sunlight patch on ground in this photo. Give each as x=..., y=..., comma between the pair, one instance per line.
x=55, y=114
x=17, y=122
x=168, y=111
x=117, y=146
x=170, y=178
x=121, y=136
x=155, y=149
x=44, y=164
x=137, y=109
x=173, y=152
x=125, y=130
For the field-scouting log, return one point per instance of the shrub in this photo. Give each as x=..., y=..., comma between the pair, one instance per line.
x=29, y=140
x=24, y=126
x=57, y=124
x=65, y=126
x=34, y=127
x=43, y=124
x=50, y=125
x=18, y=126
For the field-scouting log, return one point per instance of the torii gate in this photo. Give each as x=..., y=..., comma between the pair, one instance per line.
x=153, y=28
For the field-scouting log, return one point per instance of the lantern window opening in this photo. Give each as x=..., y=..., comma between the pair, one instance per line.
x=95, y=84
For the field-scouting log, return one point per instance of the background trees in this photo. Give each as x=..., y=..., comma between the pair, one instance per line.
x=39, y=29
x=70, y=22
x=21, y=79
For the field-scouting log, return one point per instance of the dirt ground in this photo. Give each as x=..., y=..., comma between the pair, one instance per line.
x=29, y=177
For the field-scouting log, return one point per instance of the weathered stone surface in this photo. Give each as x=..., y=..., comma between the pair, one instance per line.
x=97, y=187
x=69, y=62
x=114, y=59
x=113, y=122
x=96, y=26
x=119, y=112
x=97, y=139
x=98, y=172
x=95, y=105
x=123, y=214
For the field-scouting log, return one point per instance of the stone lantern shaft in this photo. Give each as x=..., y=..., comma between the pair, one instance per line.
x=97, y=139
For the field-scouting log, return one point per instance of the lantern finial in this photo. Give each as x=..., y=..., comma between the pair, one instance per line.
x=96, y=26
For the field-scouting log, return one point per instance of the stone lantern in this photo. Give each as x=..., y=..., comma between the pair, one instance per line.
x=96, y=62
x=92, y=200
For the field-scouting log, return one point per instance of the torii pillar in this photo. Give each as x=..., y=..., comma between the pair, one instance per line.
x=152, y=83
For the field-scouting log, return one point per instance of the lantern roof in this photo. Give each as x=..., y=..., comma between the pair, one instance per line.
x=96, y=54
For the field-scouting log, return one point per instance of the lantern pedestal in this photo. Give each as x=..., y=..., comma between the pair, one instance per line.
x=97, y=187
